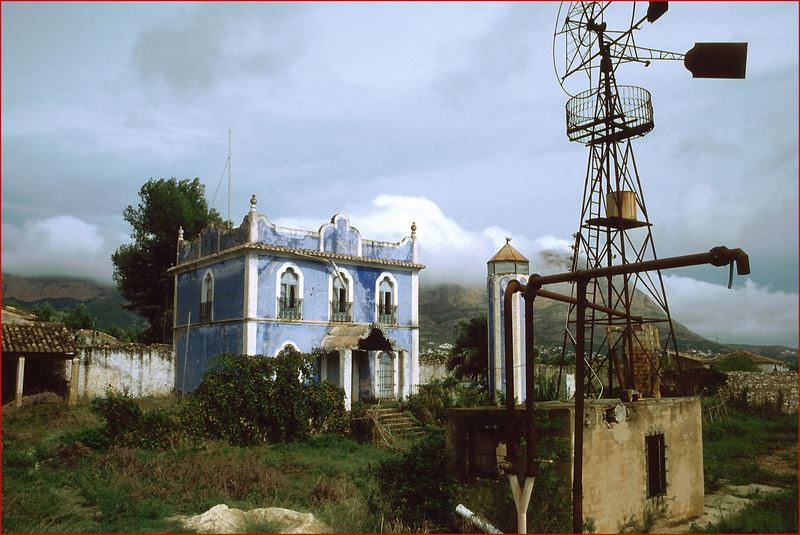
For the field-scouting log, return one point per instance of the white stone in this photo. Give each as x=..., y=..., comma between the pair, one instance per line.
x=224, y=519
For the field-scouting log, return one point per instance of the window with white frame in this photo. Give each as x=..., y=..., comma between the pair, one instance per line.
x=341, y=297
x=290, y=303
x=207, y=297
x=387, y=300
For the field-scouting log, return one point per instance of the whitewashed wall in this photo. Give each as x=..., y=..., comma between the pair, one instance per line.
x=142, y=370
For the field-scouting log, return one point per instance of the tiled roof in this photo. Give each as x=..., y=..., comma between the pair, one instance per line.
x=93, y=337
x=508, y=253
x=754, y=358
x=16, y=315
x=37, y=337
x=299, y=252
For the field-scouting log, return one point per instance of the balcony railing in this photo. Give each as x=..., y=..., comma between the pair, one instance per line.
x=205, y=311
x=387, y=314
x=341, y=311
x=290, y=309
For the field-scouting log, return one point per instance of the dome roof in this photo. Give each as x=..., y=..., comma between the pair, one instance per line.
x=508, y=253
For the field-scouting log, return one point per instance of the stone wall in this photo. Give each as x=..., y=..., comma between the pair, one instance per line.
x=142, y=370
x=763, y=389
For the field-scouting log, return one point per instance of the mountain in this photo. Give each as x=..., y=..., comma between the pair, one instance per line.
x=441, y=307
x=103, y=302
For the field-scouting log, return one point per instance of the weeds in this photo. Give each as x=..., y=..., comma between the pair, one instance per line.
x=54, y=480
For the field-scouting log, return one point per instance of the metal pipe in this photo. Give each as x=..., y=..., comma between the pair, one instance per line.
x=577, y=465
x=476, y=520
x=718, y=256
x=571, y=300
x=530, y=363
x=508, y=326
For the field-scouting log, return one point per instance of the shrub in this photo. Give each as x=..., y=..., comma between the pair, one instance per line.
x=697, y=381
x=418, y=488
x=430, y=404
x=42, y=407
x=127, y=425
x=250, y=399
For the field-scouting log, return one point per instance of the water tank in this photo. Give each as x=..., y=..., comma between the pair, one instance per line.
x=621, y=203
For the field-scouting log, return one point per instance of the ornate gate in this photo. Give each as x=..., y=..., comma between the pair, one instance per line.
x=385, y=376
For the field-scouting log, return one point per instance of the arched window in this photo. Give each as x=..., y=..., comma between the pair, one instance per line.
x=207, y=297
x=290, y=302
x=387, y=299
x=341, y=296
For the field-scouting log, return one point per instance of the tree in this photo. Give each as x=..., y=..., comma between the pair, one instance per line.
x=469, y=358
x=140, y=268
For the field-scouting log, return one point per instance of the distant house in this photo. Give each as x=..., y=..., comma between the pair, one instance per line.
x=764, y=364
x=36, y=357
x=260, y=288
x=690, y=361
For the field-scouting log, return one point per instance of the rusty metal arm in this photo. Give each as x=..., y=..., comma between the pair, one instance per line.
x=718, y=256
x=573, y=301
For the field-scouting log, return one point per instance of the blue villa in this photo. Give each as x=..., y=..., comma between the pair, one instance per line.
x=260, y=288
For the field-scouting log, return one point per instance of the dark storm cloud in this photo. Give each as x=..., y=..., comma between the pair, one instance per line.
x=196, y=50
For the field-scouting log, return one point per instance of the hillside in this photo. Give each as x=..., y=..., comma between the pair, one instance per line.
x=103, y=302
x=441, y=307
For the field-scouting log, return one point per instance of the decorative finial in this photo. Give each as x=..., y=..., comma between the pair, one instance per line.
x=413, y=229
x=253, y=202
x=508, y=240
x=180, y=233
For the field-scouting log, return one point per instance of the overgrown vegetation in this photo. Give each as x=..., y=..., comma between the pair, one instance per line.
x=429, y=405
x=55, y=482
x=551, y=506
x=250, y=399
x=417, y=489
x=731, y=447
x=469, y=356
x=768, y=513
x=257, y=433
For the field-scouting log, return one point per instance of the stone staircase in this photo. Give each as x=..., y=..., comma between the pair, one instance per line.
x=396, y=423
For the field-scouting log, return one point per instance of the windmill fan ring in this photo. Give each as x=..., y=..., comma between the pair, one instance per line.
x=576, y=61
x=585, y=34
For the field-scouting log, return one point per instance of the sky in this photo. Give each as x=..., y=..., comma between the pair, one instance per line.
x=446, y=114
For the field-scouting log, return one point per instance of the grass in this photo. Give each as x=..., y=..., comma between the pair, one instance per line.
x=49, y=486
x=732, y=446
x=770, y=513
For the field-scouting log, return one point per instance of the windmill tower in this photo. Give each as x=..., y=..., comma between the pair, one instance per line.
x=592, y=39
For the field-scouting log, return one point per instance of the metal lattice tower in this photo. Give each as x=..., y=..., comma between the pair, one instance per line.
x=614, y=226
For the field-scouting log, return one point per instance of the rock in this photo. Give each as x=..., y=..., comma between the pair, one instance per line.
x=223, y=519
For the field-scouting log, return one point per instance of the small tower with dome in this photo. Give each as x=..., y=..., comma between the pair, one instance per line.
x=504, y=266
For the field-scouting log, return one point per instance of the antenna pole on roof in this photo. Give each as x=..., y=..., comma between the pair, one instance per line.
x=230, y=223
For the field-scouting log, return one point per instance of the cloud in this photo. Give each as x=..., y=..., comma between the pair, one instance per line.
x=750, y=313
x=454, y=252
x=201, y=49
x=451, y=251
x=62, y=245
